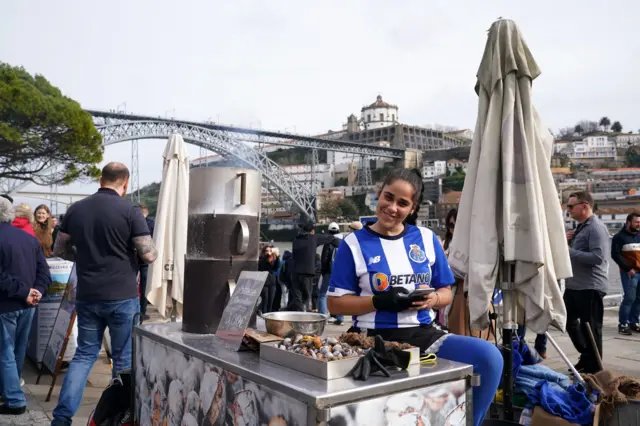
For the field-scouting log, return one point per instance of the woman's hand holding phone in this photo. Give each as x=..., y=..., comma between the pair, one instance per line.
x=427, y=301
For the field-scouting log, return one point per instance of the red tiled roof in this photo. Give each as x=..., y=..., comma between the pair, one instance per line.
x=620, y=210
x=452, y=197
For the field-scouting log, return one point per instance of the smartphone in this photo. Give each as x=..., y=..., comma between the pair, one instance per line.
x=419, y=293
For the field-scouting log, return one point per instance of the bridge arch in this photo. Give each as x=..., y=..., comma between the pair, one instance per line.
x=283, y=186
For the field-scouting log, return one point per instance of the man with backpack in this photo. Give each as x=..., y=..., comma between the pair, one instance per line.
x=326, y=265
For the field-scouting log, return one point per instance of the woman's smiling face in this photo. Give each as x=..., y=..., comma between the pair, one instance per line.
x=395, y=203
x=41, y=215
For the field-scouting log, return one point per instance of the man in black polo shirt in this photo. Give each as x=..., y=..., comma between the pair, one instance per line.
x=109, y=235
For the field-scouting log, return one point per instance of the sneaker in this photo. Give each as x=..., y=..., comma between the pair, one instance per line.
x=21, y=382
x=624, y=330
x=635, y=327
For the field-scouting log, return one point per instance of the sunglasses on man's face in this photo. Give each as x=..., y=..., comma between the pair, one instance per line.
x=451, y=225
x=570, y=206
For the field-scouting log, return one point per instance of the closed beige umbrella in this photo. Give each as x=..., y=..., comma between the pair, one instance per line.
x=165, y=282
x=509, y=211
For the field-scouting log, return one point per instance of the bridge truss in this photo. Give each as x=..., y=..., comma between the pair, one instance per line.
x=231, y=143
x=288, y=191
x=102, y=118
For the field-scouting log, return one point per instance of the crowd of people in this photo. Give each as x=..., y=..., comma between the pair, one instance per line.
x=109, y=240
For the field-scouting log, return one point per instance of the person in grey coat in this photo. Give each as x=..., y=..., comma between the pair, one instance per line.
x=584, y=295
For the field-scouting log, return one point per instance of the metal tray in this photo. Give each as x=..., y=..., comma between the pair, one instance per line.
x=327, y=370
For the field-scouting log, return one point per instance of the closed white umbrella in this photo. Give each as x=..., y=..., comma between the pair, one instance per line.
x=166, y=275
x=509, y=211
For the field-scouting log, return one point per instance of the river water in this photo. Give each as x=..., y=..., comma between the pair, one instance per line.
x=615, y=286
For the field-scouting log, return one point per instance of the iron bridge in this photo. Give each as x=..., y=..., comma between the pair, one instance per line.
x=103, y=119
x=231, y=143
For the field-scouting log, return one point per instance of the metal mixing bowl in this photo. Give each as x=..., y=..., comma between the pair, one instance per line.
x=285, y=324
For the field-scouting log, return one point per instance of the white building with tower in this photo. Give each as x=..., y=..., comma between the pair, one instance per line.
x=379, y=114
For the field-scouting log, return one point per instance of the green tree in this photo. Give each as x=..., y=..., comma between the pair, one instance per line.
x=633, y=156
x=40, y=128
x=588, y=126
x=329, y=209
x=578, y=129
x=616, y=127
x=453, y=182
x=605, y=123
x=341, y=182
x=564, y=160
x=348, y=209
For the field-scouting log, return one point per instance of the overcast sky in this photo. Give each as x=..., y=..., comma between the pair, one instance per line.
x=308, y=65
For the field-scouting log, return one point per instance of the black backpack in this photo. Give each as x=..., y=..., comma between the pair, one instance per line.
x=115, y=405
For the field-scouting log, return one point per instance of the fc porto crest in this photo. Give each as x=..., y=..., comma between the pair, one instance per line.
x=417, y=254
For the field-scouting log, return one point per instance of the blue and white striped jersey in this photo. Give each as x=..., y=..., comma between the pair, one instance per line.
x=368, y=263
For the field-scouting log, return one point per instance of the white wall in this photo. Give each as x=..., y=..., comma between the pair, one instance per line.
x=371, y=117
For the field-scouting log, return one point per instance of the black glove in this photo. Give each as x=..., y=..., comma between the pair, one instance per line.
x=377, y=358
x=368, y=364
x=394, y=300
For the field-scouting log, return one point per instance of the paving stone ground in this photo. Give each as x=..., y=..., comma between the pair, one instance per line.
x=621, y=353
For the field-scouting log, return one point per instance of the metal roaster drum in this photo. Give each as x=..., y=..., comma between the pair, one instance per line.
x=222, y=241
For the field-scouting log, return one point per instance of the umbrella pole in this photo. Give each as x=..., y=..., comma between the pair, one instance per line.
x=174, y=309
x=509, y=324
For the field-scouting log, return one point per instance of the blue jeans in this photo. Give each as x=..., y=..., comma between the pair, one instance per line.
x=629, y=312
x=14, y=336
x=541, y=340
x=487, y=362
x=322, y=297
x=93, y=318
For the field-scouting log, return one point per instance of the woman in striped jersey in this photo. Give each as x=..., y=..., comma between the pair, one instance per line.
x=376, y=267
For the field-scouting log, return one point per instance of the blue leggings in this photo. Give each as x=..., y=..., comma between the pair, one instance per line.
x=487, y=362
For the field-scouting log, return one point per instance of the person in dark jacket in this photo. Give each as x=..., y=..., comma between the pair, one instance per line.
x=326, y=265
x=304, y=254
x=24, y=278
x=286, y=275
x=268, y=263
x=625, y=251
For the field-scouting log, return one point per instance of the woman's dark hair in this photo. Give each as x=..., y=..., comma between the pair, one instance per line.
x=453, y=214
x=413, y=178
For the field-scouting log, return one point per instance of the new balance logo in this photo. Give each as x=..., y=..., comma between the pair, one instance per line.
x=373, y=260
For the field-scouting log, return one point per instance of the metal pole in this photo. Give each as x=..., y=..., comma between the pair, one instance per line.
x=509, y=324
x=567, y=361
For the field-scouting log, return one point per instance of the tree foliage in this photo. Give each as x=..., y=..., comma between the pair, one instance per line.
x=333, y=209
x=563, y=159
x=453, y=182
x=584, y=127
x=348, y=209
x=616, y=127
x=40, y=128
x=633, y=156
x=605, y=123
